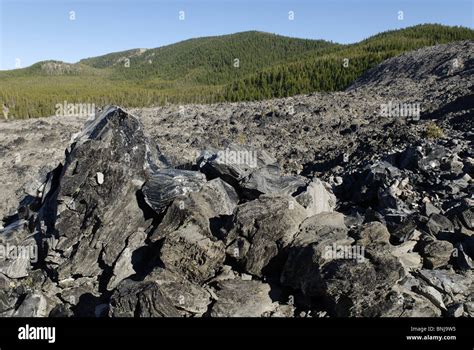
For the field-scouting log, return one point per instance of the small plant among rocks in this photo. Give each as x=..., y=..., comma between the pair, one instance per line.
x=433, y=131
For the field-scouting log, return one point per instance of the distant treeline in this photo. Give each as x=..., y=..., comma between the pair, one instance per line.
x=243, y=66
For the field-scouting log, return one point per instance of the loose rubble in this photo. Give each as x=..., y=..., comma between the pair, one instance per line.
x=330, y=211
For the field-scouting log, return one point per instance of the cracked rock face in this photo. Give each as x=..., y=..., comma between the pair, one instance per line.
x=141, y=299
x=332, y=211
x=91, y=222
x=267, y=225
x=238, y=298
x=190, y=252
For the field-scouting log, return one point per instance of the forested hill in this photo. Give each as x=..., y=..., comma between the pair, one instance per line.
x=209, y=60
x=337, y=67
x=243, y=66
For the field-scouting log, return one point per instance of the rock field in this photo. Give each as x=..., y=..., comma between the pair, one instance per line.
x=327, y=205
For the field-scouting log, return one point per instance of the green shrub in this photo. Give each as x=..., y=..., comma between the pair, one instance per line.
x=433, y=131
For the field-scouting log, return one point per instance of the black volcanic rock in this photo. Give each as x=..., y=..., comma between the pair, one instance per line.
x=268, y=224
x=164, y=186
x=94, y=210
x=250, y=171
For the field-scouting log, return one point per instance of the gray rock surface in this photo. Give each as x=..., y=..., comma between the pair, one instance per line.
x=192, y=253
x=317, y=198
x=141, y=299
x=238, y=298
x=268, y=224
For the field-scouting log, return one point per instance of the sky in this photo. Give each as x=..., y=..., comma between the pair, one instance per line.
x=69, y=30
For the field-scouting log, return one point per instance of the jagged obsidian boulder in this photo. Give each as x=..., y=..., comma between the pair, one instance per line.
x=206, y=209
x=261, y=229
x=95, y=208
x=163, y=186
x=252, y=172
x=308, y=252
